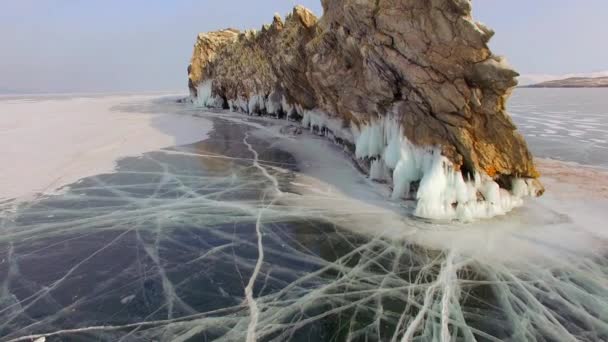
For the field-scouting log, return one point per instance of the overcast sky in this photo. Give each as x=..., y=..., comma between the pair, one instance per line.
x=125, y=45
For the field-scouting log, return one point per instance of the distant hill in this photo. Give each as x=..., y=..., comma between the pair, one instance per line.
x=573, y=82
x=7, y=91
x=11, y=91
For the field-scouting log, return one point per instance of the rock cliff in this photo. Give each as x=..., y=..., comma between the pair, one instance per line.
x=409, y=86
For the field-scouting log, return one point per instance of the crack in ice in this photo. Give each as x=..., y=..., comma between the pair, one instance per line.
x=252, y=303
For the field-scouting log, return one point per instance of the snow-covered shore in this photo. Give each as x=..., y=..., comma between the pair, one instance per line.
x=49, y=142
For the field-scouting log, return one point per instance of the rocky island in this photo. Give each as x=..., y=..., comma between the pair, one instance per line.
x=410, y=88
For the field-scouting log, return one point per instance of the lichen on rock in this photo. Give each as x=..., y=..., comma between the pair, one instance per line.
x=422, y=66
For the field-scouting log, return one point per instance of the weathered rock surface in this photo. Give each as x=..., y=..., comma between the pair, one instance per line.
x=423, y=64
x=205, y=50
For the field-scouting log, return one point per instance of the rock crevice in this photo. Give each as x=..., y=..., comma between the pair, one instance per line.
x=423, y=66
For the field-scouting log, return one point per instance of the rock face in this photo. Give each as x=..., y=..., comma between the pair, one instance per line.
x=410, y=86
x=205, y=50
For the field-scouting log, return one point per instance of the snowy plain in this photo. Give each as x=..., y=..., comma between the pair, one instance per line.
x=238, y=230
x=52, y=141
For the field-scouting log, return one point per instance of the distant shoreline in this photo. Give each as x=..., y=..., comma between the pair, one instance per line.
x=100, y=93
x=572, y=82
x=536, y=86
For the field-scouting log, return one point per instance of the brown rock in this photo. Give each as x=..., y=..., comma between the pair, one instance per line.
x=205, y=49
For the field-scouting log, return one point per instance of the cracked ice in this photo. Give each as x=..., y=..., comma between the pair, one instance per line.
x=253, y=234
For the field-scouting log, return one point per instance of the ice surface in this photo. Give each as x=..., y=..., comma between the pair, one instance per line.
x=254, y=234
x=564, y=124
x=49, y=142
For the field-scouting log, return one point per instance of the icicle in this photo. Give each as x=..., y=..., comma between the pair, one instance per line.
x=319, y=119
x=443, y=192
x=433, y=194
x=256, y=104
x=378, y=171
x=274, y=104
x=287, y=108
x=371, y=141
x=205, y=96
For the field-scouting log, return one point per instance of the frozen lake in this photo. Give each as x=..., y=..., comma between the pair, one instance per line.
x=564, y=124
x=247, y=232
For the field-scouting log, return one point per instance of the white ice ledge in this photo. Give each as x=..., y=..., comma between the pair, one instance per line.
x=443, y=193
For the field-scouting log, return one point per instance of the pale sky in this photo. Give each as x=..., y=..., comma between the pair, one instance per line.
x=120, y=45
